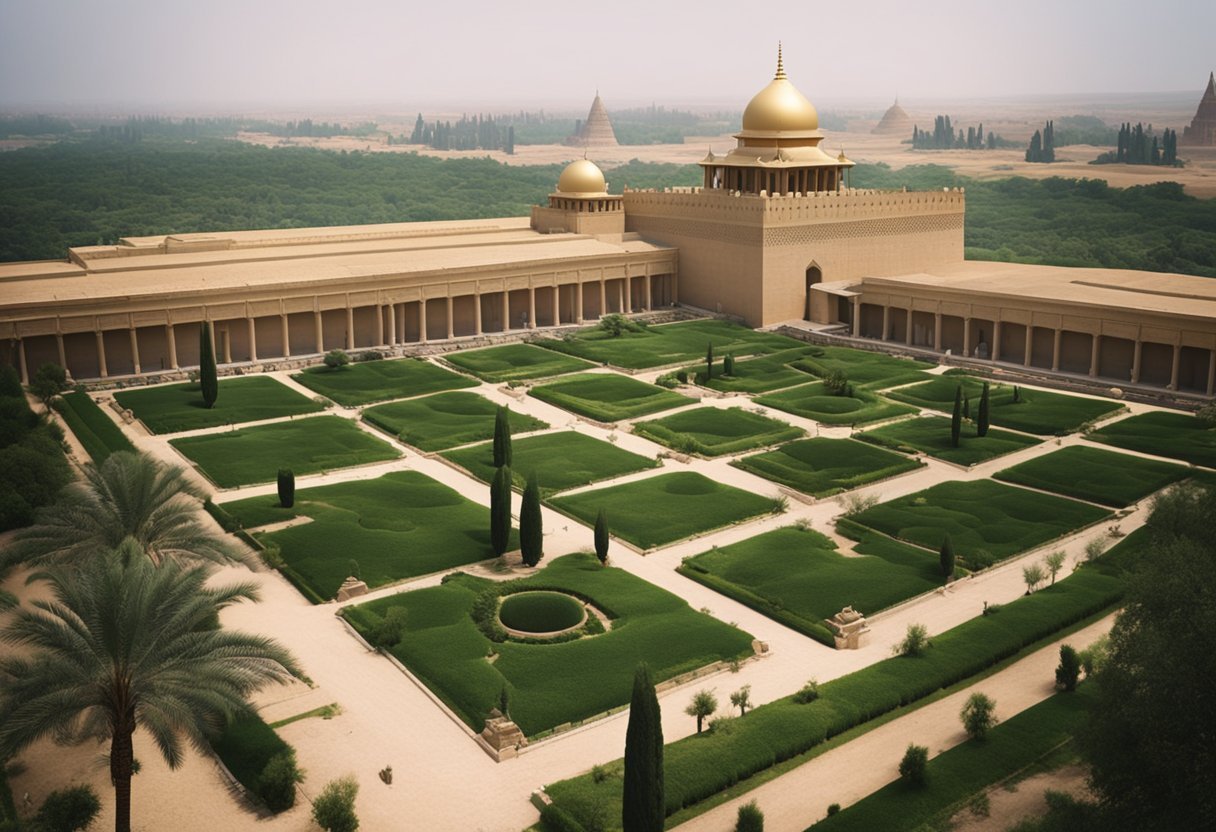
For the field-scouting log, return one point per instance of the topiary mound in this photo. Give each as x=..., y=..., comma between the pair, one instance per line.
x=541, y=612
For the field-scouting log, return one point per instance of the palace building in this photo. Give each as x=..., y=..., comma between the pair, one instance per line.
x=775, y=233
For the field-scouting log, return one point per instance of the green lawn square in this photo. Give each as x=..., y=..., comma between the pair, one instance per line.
x=377, y=381
x=515, y=362
x=445, y=420
x=608, y=397
x=173, y=408
x=822, y=467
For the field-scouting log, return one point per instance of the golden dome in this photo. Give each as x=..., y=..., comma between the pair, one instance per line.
x=780, y=108
x=582, y=177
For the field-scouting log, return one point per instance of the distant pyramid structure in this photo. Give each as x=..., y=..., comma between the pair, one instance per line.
x=894, y=122
x=596, y=131
x=1202, y=131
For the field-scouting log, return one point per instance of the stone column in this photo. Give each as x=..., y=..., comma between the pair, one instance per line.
x=856, y=301
x=1095, y=351
x=578, y=300
x=1175, y=366
x=1212, y=372
x=908, y=328
x=557, y=304
x=1136, y=351
x=531, y=307
x=285, y=328
x=380, y=325
x=253, y=340
x=227, y=345
x=506, y=309
x=101, y=355
x=966, y=337
x=63, y=353
x=320, y=333
x=451, y=327
x=477, y=313
x=996, y=341
x=1055, y=351
x=25, y=370
x=1029, y=352
x=350, y=325
x=628, y=306
x=886, y=321
x=422, y=321
x=649, y=293
x=135, y=349
x=937, y=332
x=171, y=340
x=675, y=288
x=603, y=297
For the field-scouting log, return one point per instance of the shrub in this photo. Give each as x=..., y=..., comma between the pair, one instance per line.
x=750, y=818
x=287, y=488
x=277, y=783
x=391, y=628
x=742, y=699
x=728, y=365
x=49, y=382
x=1033, y=576
x=808, y=693
x=370, y=355
x=915, y=641
x=335, y=360
x=558, y=819
x=833, y=809
x=914, y=765
x=946, y=558
x=1093, y=657
x=334, y=808
x=616, y=324
x=836, y=382
x=1207, y=414
x=682, y=376
x=857, y=503
x=69, y=810
x=978, y=715
x=1069, y=669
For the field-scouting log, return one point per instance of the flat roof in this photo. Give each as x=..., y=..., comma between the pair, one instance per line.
x=1161, y=292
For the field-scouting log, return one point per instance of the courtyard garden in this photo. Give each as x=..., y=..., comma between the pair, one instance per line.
x=173, y=408
x=608, y=397
x=561, y=460
x=401, y=525
x=668, y=344
x=712, y=431
x=988, y=521
x=799, y=577
x=376, y=381
x=515, y=362
x=1093, y=474
x=1033, y=411
x=822, y=467
x=854, y=406
x=445, y=420
x=662, y=509
x=1175, y=435
x=556, y=683
x=931, y=435
x=874, y=370
x=306, y=446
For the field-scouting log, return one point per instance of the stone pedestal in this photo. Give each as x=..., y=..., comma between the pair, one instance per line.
x=849, y=628
x=503, y=736
x=352, y=587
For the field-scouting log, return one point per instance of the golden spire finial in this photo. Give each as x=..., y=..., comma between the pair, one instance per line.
x=780, y=66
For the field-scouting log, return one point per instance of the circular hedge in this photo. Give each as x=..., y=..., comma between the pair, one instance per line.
x=541, y=612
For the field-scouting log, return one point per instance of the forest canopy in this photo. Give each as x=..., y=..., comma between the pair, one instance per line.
x=90, y=192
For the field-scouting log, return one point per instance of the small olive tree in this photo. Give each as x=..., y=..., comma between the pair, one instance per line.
x=1054, y=563
x=742, y=699
x=915, y=641
x=978, y=715
x=1033, y=576
x=703, y=705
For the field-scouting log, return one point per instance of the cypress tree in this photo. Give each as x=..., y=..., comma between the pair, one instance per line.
x=947, y=557
x=207, y=376
x=500, y=510
x=956, y=420
x=287, y=488
x=531, y=533
x=643, y=807
x=981, y=422
x=709, y=361
x=502, y=438
x=601, y=536
x=966, y=406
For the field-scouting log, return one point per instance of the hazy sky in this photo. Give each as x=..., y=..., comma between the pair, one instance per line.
x=182, y=54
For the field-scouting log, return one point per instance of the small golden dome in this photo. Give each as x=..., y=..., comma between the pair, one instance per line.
x=582, y=177
x=780, y=108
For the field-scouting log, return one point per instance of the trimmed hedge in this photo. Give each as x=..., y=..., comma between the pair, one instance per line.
x=95, y=431
x=700, y=766
x=246, y=746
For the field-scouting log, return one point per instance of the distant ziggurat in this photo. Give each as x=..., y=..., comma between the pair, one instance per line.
x=1202, y=131
x=597, y=130
x=895, y=121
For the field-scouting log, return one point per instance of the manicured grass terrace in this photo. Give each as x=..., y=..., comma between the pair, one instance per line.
x=931, y=435
x=551, y=684
x=813, y=401
x=874, y=370
x=1093, y=474
x=607, y=397
x=798, y=577
x=306, y=446
x=172, y=408
x=445, y=420
x=662, y=509
x=377, y=381
x=562, y=460
x=713, y=431
x=1038, y=411
x=1175, y=435
x=822, y=467
x=669, y=344
x=95, y=431
x=397, y=526
x=515, y=362
x=756, y=375
x=980, y=515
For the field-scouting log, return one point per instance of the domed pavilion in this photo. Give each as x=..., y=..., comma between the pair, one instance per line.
x=581, y=203
x=778, y=148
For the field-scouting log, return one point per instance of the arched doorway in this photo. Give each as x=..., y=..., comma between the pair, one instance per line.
x=813, y=276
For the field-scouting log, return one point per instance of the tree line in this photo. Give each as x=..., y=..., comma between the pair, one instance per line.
x=1140, y=146
x=943, y=137
x=1042, y=145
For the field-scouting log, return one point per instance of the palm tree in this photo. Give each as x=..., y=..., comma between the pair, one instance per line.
x=130, y=495
x=125, y=644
